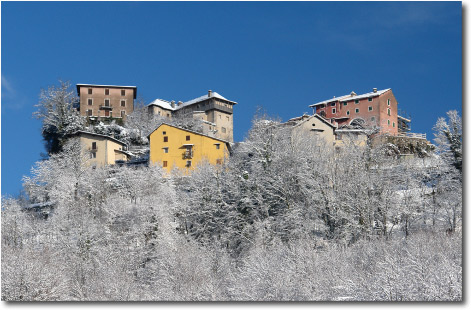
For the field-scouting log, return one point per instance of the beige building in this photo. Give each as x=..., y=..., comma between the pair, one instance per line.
x=106, y=101
x=313, y=127
x=346, y=136
x=215, y=112
x=101, y=150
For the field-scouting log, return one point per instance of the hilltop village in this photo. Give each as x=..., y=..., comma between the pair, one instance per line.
x=156, y=201
x=358, y=119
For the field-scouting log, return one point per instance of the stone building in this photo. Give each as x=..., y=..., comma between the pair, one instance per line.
x=106, y=101
x=214, y=111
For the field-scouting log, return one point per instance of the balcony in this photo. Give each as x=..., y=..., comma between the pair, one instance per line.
x=93, y=149
x=188, y=154
x=105, y=107
x=412, y=135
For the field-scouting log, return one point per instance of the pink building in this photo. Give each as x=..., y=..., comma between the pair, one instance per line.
x=377, y=108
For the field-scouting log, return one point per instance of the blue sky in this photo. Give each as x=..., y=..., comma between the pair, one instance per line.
x=281, y=56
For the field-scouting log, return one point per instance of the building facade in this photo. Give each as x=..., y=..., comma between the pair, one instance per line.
x=174, y=147
x=101, y=150
x=313, y=127
x=375, y=109
x=215, y=112
x=106, y=101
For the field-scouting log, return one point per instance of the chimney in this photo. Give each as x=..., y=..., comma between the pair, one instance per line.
x=179, y=103
x=172, y=103
x=353, y=94
x=375, y=90
x=209, y=93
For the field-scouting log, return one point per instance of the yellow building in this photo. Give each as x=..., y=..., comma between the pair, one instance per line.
x=172, y=146
x=100, y=150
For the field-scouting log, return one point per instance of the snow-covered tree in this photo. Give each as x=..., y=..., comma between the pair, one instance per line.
x=449, y=138
x=57, y=109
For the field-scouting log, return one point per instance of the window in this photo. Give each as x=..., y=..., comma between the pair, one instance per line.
x=165, y=149
x=332, y=104
x=223, y=129
x=357, y=110
x=164, y=132
x=107, y=92
x=89, y=91
x=158, y=112
x=164, y=164
x=123, y=103
x=165, y=139
x=219, y=161
x=373, y=119
x=370, y=108
x=389, y=102
x=219, y=116
x=188, y=163
x=168, y=115
x=218, y=146
x=92, y=155
x=370, y=99
x=90, y=101
x=123, y=92
x=107, y=102
x=89, y=112
x=187, y=138
x=389, y=122
x=227, y=117
x=345, y=103
x=389, y=112
x=348, y=112
x=394, y=124
x=333, y=110
x=357, y=101
x=107, y=113
x=93, y=145
x=123, y=113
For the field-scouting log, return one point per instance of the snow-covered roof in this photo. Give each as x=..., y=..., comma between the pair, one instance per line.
x=195, y=132
x=40, y=205
x=164, y=104
x=403, y=118
x=352, y=96
x=99, y=135
x=113, y=86
x=318, y=117
x=167, y=105
x=125, y=152
x=204, y=97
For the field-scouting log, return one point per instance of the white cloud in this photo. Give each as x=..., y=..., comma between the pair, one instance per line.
x=10, y=98
x=7, y=88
